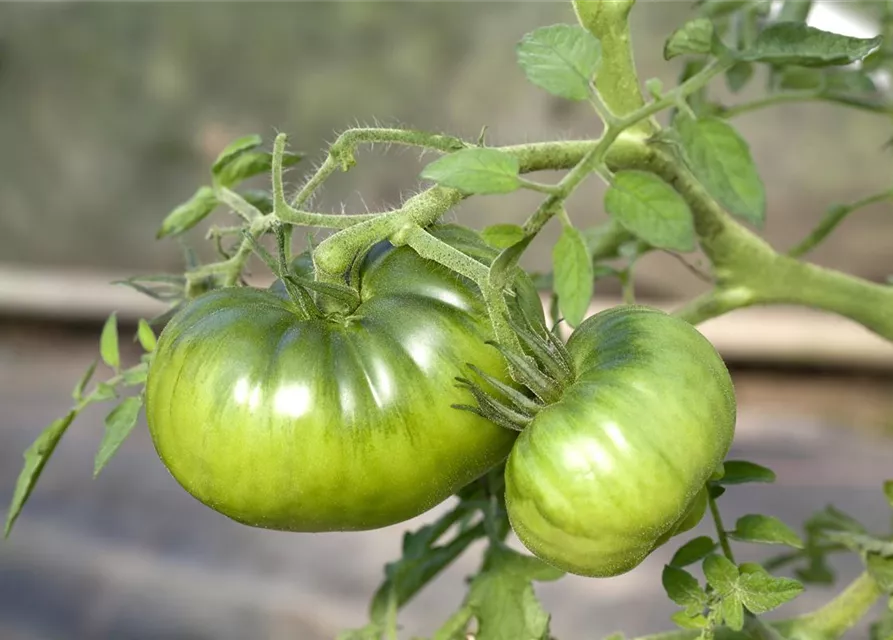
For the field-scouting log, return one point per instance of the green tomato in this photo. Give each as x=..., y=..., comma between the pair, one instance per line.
x=619, y=464
x=342, y=423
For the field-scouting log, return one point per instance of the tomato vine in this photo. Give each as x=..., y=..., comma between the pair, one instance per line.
x=674, y=187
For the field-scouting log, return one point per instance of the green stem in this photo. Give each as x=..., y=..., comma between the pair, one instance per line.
x=804, y=96
x=431, y=248
x=617, y=80
x=720, y=529
x=838, y=616
x=832, y=219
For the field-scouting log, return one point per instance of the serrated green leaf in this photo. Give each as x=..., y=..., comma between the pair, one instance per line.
x=78, y=392
x=118, y=425
x=721, y=161
x=784, y=43
x=108, y=342
x=682, y=587
x=562, y=59
x=694, y=37
x=502, y=599
x=685, y=621
x=765, y=530
x=146, y=336
x=573, y=275
x=504, y=267
x=721, y=573
x=732, y=612
x=252, y=163
x=761, y=592
x=651, y=209
x=476, y=171
x=741, y=471
x=188, y=214
x=233, y=149
x=502, y=236
x=693, y=551
x=36, y=457
x=881, y=569
x=738, y=75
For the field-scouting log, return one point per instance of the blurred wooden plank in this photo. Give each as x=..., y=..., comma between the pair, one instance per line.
x=758, y=335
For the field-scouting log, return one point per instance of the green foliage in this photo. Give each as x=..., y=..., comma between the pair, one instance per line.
x=573, y=274
x=794, y=43
x=721, y=160
x=695, y=37
x=668, y=189
x=651, y=209
x=562, y=59
x=476, y=171
x=765, y=530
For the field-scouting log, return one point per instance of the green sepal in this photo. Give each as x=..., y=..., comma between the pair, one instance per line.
x=520, y=401
x=544, y=387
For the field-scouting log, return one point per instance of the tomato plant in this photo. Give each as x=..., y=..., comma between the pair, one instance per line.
x=399, y=361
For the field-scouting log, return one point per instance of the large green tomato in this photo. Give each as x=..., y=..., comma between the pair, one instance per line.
x=342, y=423
x=614, y=468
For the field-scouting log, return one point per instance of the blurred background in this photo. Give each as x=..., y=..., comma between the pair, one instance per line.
x=111, y=114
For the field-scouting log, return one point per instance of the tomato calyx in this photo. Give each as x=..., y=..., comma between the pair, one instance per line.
x=543, y=382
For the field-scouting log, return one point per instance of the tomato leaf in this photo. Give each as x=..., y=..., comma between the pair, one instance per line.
x=721, y=573
x=477, y=171
x=738, y=75
x=251, y=163
x=108, y=342
x=502, y=236
x=881, y=569
x=742, y=471
x=765, y=530
x=785, y=43
x=118, y=425
x=36, y=457
x=259, y=199
x=651, y=209
x=233, y=150
x=694, y=37
x=682, y=587
x=502, y=599
x=146, y=336
x=721, y=161
x=573, y=275
x=686, y=621
x=761, y=592
x=732, y=612
x=562, y=59
x=888, y=492
x=861, y=542
x=78, y=392
x=693, y=551
x=188, y=214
